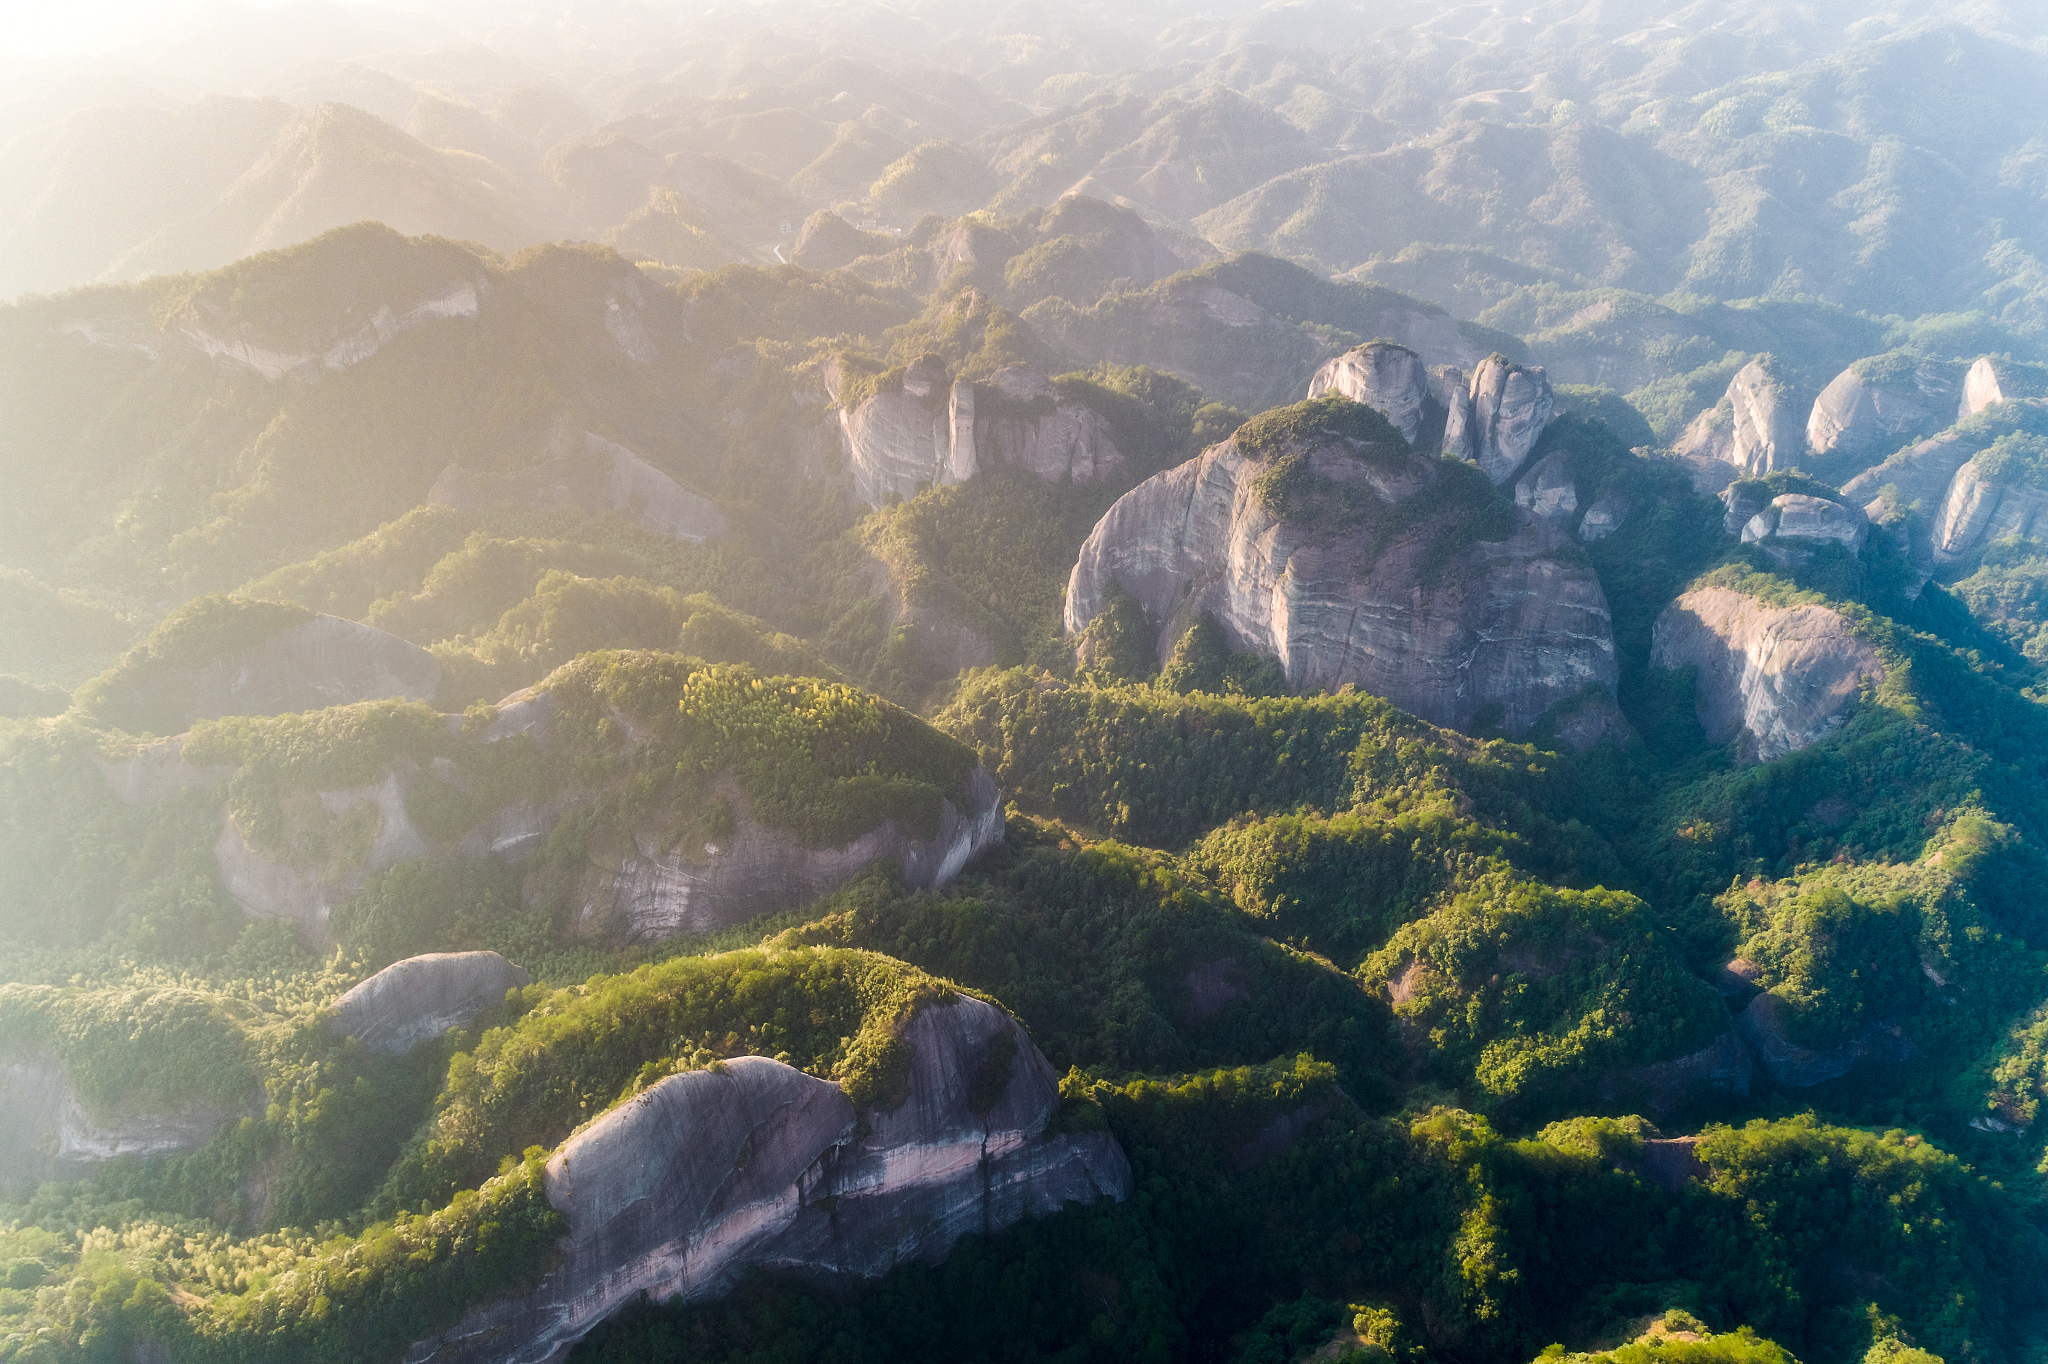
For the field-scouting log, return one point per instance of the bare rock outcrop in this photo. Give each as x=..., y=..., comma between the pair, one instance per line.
x=338, y=346
x=46, y=1132
x=677, y=1192
x=413, y=1000
x=1497, y=421
x=157, y=772
x=1418, y=610
x=929, y=432
x=1791, y=1066
x=1995, y=380
x=586, y=470
x=1778, y=678
x=1981, y=506
x=1389, y=378
x=1752, y=427
x=644, y=892
x=1874, y=405
x=1722, y=1067
x=1548, y=491
x=1816, y=520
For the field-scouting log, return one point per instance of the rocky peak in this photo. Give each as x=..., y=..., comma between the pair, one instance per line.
x=1495, y=422
x=1287, y=534
x=1875, y=404
x=422, y=997
x=1388, y=378
x=1752, y=427
x=1816, y=520
x=1776, y=678
x=1994, y=379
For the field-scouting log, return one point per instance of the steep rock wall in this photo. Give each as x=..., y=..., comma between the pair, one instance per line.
x=46, y=1133
x=1498, y=419
x=1518, y=624
x=337, y=349
x=1389, y=378
x=1779, y=678
x=1979, y=508
x=646, y=893
x=421, y=997
x=677, y=1192
x=1752, y=427
x=1859, y=414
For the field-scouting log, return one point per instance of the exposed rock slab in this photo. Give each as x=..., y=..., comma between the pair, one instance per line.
x=1993, y=380
x=1792, y=1066
x=1752, y=427
x=595, y=474
x=646, y=893
x=1778, y=678
x=1980, y=507
x=1722, y=1067
x=1500, y=417
x=1388, y=378
x=1548, y=491
x=422, y=997
x=1862, y=414
x=679, y=1191
x=1518, y=624
x=339, y=348
x=1796, y=516
x=46, y=1133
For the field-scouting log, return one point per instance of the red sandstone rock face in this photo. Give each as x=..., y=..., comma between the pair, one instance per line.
x=1779, y=678
x=1510, y=627
x=680, y=1190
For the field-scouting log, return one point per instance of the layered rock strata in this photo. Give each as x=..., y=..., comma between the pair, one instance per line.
x=585, y=470
x=1980, y=507
x=1817, y=520
x=1776, y=678
x=46, y=1132
x=1496, y=422
x=679, y=1191
x=1752, y=428
x=1415, y=609
x=1388, y=378
x=930, y=432
x=422, y=997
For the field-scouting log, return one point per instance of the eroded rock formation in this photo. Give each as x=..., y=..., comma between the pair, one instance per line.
x=46, y=1132
x=1497, y=421
x=1419, y=610
x=1752, y=427
x=1872, y=407
x=1776, y=678
x=1979, y=507
x=1995, y=380
x=1816, y=520
x=585, y=470
x=1791, y=1066
x=422, y=997
x=677, y=1192
x=931, y=432
x=1391, y=379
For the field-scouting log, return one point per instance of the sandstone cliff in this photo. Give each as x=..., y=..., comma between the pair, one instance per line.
x=1995, y=380
x=677, y=1192
x=421, y=997
x=1980, y=506
x=46, y=1132
x=1874, y=406
x=1792, y=1066
x=1752, y=427
x=1392, y=380
x=1372, y=570
x=1792, y=523
x=1776, y=678
x=930, y=432
x=635, y=885
x=585, y=470
x=1495, y=423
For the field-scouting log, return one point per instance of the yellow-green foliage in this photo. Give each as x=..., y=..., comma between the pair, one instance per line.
x=143, y=1050
x=574, y=1053
x=137, y=693
x=347, y=581
x=1532, y=989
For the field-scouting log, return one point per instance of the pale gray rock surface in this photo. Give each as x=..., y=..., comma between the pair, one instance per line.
x=1501, y=417
x=1792, y=1066
x=1859, y=414
x=1778, y=678
x=1995, y=380
x=930, y=433
x=585, y=470
x=1605, y=516
x=1519, y=624
x=647, y=893
x=422, y=997
x=1797, y=516
x=1752, y=427
x=1980, y=507
x=310, y=356
x=1547, y=491
x=1390, y=379
x=677, y=1192
x=46, y=1132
